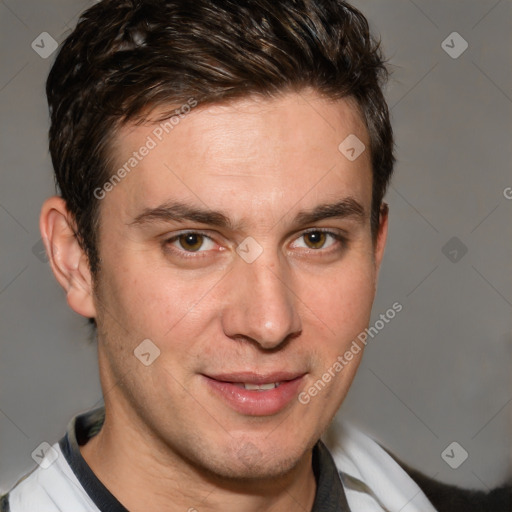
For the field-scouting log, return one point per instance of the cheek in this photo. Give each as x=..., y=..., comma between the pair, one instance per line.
x=341, y=308
x=343, y=299
x=156, y=302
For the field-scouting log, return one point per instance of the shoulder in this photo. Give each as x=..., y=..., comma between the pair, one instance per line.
x=360, y=457
x=50, y=487
x=450, y=498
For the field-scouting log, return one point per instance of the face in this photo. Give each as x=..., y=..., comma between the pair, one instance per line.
x=240, y=245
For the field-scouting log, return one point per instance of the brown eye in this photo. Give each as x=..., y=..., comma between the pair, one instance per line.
x=315, y=239
x=191, y=241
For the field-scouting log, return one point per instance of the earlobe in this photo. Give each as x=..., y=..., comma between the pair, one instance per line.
x=68, y=261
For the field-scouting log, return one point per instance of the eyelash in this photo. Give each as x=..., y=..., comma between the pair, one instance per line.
x=182, y=253
x=342, y=240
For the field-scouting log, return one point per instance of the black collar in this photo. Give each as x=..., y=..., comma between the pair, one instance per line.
x=330, y=496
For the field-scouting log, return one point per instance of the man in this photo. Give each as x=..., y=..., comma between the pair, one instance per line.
x=222, y=168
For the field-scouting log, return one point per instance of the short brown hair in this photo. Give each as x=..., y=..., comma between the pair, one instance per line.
x=127, y=57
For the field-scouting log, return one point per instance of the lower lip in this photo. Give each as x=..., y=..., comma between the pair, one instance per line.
x=253, y=402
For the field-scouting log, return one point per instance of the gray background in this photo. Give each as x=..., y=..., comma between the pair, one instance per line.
x=440, y=371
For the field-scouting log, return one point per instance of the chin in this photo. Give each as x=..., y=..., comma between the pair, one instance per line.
x=244, y=460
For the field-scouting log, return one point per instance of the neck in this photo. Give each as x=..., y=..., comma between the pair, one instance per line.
x=145, y=474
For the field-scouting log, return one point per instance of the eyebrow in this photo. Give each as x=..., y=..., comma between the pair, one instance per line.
x=348, y=207
x=179, y=212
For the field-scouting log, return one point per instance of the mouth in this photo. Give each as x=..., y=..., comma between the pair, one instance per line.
x=254, y=394
x=257, y=387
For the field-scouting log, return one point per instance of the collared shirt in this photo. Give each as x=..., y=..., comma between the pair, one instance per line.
x=65, y=483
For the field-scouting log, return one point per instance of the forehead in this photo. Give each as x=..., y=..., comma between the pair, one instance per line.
x=264, y=155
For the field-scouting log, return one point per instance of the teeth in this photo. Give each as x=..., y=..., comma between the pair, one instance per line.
x=263, y=387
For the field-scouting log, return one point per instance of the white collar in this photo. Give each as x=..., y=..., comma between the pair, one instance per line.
x=373, y=480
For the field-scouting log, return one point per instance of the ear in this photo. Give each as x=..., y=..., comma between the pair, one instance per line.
x=68, y=261
x=382, y=235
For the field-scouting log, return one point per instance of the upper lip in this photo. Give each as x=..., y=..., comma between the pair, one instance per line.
x=256, y=378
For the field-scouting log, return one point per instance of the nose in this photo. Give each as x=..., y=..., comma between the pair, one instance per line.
x=262, y=306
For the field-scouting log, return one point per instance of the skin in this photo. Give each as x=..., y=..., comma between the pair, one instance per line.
x=169, y=443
